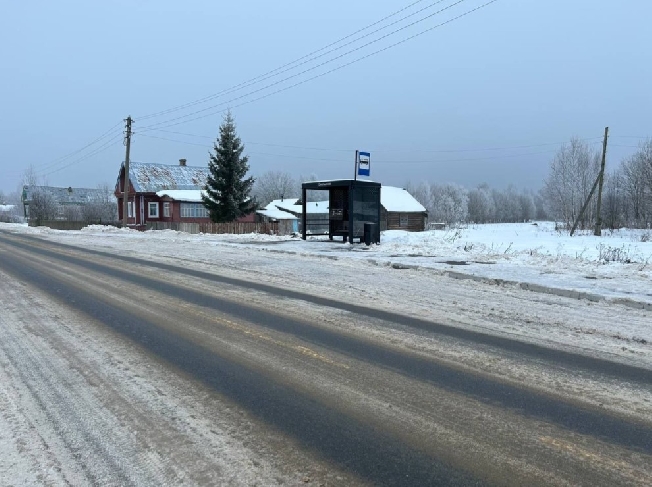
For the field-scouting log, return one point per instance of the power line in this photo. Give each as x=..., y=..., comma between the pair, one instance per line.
x=442, y=151
x=623, y=145
x=166, y=123
x=304, y=59
x=631, y=136
x=111, y=142
x=248, y=142
x=47, y=165
x=430, y=161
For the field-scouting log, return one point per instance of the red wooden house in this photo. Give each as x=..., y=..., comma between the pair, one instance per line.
x=147, y=180
x=164, y=193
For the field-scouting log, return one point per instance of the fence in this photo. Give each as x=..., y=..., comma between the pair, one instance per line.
x=239, y=228
x=65, y=224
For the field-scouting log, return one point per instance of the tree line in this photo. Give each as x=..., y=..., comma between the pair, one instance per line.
x=627, y=193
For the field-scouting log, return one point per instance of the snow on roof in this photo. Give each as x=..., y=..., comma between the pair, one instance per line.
x=276, y=214
x=150, y=178
x=191, y=195
x=391, y=198
x=6, y=207
x=272, y=209
x=311, y=206
x=67, y=196
x=398, y=199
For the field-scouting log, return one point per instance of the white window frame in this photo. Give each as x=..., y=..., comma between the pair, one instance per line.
x=193, y=210
x=130, y=209
x=166, y=209
x=150, y=205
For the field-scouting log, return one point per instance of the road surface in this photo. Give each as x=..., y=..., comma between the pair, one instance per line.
x=123, y=370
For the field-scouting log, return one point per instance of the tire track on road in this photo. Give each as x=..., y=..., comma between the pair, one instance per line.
x=582, y=420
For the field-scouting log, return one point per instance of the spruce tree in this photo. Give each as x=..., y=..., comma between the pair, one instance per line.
x=227, y=188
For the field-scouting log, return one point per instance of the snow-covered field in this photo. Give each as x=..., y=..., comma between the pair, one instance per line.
x=616, y=266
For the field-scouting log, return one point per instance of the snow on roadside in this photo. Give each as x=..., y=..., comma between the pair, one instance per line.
x=616, y=265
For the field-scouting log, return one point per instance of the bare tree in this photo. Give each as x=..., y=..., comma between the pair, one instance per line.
x=482, y=208
x=527, y=207
x=636, y=179
x=421, y=192
x=42, y=206
x=450, y=203
x=30, y=177
x=310, y=195
x=613, y=201
x=103, y=207
x=572, y=174
x=274, y=185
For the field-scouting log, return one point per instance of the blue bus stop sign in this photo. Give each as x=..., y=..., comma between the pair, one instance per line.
x=364, y=163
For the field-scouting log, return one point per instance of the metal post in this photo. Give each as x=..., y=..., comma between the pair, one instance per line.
x=355, y=166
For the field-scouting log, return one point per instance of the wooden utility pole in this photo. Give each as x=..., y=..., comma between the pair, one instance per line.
x=598, y=220
x=125, y=201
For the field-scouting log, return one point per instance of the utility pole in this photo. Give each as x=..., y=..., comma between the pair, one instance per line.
x=125, y=201
x=598, y=220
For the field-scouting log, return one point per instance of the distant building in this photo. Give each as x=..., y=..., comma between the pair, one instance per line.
x=401, y=211
x=8, y=214
x=66, y=203
x=273, y=212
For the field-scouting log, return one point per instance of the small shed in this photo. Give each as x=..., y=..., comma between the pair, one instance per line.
x=401, y=211
x=351, y=204
x=287, y=222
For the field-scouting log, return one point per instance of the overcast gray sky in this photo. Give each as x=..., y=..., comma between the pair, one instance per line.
x=515, y=73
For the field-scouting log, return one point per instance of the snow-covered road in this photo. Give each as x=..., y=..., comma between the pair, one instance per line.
x=159, y=360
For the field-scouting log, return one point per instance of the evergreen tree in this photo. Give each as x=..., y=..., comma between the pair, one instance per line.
x=227, y=189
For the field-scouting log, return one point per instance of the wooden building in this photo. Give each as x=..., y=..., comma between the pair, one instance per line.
x=401, y=211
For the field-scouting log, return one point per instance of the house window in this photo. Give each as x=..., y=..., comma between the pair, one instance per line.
x=152, y=209
x=166, y=210
x=403, y=220
x=130, y=209
x=193, y=210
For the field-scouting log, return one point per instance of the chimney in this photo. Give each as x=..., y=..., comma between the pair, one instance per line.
x=182, y=162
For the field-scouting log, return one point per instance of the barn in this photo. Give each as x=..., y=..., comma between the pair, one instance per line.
x=401, y=211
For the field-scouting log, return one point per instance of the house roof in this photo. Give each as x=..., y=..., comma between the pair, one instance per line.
x=276, y=214
x=5, y=208
x=190, y=195
x=149, y=178
x=391, y=198
x=67, y=196
x=398, y=199
x=272, y=210
x=311, y=206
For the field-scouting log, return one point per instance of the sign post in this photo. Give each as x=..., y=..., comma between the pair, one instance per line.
x=362, y=164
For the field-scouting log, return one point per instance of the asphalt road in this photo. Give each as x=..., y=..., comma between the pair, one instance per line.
x=289, y=381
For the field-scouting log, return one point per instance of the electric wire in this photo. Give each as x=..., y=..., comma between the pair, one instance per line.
x=307, y=59
x=110, y=143
x=381, y=161
x=443, y=151
x=50, y=164
x=180, y=119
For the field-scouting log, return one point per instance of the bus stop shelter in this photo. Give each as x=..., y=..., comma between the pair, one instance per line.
x=353, y=209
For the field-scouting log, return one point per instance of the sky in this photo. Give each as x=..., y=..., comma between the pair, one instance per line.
x=486, y=97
